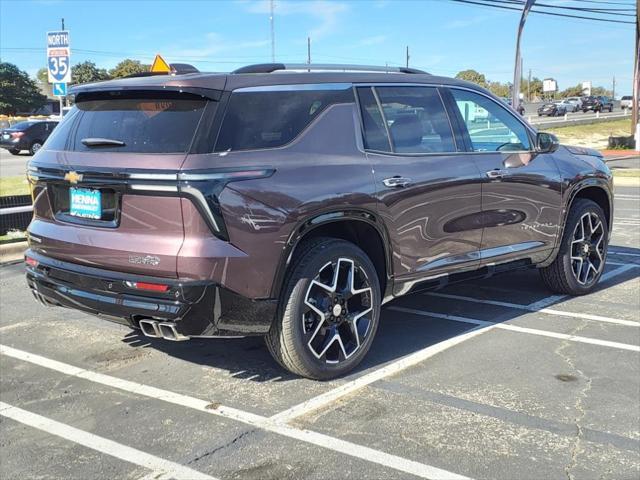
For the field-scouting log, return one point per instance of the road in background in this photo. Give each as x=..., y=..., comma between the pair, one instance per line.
x=13, y=165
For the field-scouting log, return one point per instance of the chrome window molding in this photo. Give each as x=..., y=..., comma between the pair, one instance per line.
x=294, y=87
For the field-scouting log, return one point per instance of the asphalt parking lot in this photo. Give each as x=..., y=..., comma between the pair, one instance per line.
x=496, y=379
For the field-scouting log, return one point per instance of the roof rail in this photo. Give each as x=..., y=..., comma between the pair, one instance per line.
x=273, y=67
x=176, y=69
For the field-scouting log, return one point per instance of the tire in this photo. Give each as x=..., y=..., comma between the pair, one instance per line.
x=14, y=151
x=303, y=341
x=35, y=146
x=561, y=276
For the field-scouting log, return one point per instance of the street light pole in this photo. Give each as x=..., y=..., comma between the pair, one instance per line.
x=517, y=69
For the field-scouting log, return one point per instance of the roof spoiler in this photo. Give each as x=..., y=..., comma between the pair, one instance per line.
x=274, y=67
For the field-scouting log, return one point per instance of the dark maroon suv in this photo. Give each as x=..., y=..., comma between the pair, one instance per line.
x=292, y=204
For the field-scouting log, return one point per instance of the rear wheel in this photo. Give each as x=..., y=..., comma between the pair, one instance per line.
x=329, y=313
x=581, y=258
x=35, y=146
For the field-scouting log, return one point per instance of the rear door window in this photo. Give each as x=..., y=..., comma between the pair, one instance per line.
x=416, y=119
x=270, y=117
x=144, y=125
x=375, y=133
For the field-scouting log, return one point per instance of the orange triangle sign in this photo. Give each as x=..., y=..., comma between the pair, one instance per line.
x=159, y=65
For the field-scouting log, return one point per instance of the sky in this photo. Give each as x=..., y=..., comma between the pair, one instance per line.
x=217, y=35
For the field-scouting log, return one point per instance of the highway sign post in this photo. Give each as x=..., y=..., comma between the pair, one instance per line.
x=59, y=62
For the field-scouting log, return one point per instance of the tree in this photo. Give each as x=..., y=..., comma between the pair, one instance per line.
x=18, y=92
x=86, y=72
x=534, y=88
x=43, y=80
x=500, y=89
x=472, y=76
x=572, y=91
x=128, y=67
x=601, y=91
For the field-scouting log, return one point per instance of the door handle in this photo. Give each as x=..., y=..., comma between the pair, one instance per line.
x=497, y=173
x=396, y=182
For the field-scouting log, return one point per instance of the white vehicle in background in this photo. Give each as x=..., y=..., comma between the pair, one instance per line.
x=626, y=102
x=577, y=101
x=472, y=112
x=566, y=106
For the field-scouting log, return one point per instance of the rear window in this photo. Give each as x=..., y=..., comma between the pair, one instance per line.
x=23, y=125
x=145, y=125
x=627, y=97
x=268, y=119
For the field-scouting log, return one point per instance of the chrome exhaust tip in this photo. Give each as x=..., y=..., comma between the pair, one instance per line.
x=168, y=331
x=150, y=328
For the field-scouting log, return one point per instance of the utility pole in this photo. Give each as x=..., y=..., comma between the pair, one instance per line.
x=529, y=87
x=407, y=56
x=62, y=24
x=517, y=72
x=309, y=50
x=273, y=35
x=636, y=80
x=613, y=92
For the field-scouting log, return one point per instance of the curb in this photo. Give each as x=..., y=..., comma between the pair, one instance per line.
x=12, y=252
x=626, y=181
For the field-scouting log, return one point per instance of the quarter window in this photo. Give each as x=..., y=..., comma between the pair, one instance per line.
x=268, y=119
x=416, y=120
x=490, y=126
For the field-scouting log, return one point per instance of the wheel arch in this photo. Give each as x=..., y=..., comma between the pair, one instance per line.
x=361, y=227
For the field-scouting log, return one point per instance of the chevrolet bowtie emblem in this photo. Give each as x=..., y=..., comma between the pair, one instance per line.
x=73, y=177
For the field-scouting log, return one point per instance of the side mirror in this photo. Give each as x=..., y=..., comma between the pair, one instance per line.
x=546, y=142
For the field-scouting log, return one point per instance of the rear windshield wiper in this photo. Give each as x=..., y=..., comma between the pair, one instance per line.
x=102, y=142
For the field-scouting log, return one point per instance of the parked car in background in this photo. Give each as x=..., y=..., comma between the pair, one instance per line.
x=626, y=102
x=598, y=103
x=577, y=101
x=568, y=106
x=519, y=108
x=28, y=135
x=293, y=205
x=551, y=109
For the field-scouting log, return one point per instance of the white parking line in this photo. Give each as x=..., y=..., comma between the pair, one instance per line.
x=160, y=468
x=548, y=311
x=550, y=300
x=335, y=444
x=514, y=328
x=350, y=387
x=624, y=253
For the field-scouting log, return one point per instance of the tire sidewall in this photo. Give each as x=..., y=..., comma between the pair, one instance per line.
x=294, y=305
x=584, y=206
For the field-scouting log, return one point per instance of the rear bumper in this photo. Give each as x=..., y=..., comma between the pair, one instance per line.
x=196, y=308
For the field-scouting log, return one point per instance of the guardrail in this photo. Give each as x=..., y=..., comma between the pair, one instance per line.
x=15, y=213
x=577, y=119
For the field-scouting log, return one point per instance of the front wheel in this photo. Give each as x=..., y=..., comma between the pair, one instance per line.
x=583, y=251
x=329, y=311
x=14, y=151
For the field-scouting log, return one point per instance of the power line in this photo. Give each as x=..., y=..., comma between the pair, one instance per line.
x=603, y=11
x=504, y=7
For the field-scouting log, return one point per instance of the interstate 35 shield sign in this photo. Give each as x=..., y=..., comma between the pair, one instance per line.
x=58, y=57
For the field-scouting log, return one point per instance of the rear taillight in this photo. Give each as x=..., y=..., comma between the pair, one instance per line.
x=32, y=262
x=17, y=134
x=150, y=287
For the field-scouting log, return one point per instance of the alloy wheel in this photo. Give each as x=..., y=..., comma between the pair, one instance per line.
x=587, y=249
x=338, y=311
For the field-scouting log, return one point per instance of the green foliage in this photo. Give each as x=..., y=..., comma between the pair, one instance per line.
x=86, y=72
x=500, y=89
x=128, y=67
x=601, y=91
x=18, y=92
x=572, y=91
x=472, y=76
x=43, y=80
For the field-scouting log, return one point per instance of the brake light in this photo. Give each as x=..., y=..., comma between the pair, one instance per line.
x=151, y=287
x=17, y=134
x=32, y=262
